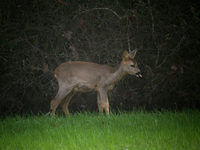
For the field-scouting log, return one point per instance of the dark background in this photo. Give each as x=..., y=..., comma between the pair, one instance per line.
x=37, y=35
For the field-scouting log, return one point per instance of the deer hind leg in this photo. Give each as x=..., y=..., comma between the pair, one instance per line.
x=65, y=103
x=62, y=93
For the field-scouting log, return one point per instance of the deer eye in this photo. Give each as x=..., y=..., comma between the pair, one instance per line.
x=132, y=65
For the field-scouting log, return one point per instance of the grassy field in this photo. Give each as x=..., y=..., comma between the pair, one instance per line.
x=86, y=131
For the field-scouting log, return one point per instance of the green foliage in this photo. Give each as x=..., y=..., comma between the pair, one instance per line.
x=139, y=130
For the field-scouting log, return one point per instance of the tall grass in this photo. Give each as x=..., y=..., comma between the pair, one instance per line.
x=85, y=131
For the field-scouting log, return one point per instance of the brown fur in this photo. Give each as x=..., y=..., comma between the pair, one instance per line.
x=86, y=76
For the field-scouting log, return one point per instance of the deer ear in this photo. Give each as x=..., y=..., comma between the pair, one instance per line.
x=133, y=53
x=125, y=55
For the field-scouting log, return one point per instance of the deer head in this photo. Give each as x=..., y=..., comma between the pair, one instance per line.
x=129, y=64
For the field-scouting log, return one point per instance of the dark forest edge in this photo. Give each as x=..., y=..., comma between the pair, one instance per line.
x=36, y=36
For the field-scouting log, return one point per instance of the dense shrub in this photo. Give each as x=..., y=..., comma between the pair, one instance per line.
x=36, y=36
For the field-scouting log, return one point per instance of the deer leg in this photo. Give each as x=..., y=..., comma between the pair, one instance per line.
x=59, y=97
x=103, y=103
x=100, y=106
x=106, y=107
x=65, y=103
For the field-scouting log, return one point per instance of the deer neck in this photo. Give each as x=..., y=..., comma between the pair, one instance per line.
x=115, y=76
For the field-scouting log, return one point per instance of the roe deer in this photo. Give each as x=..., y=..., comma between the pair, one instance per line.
x=86, y=76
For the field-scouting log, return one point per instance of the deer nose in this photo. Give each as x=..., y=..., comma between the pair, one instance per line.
x=139, y=74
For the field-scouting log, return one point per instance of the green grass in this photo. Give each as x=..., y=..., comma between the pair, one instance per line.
x=85, y=131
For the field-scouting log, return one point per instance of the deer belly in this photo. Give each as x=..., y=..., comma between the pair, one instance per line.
x=82, y=87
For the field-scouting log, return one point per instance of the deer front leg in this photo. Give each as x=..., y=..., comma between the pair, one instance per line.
x=107, y=107
x=100, y=106
x=103, y=103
